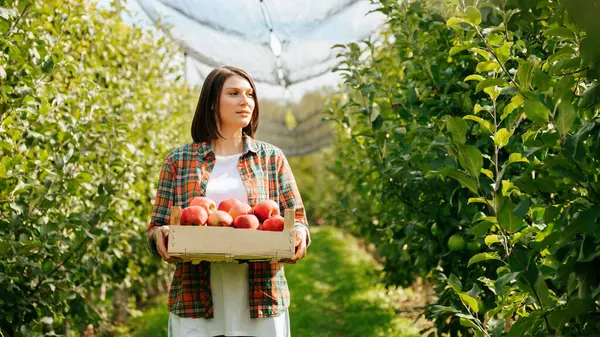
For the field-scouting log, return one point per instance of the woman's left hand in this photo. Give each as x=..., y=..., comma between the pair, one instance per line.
x=300, y=246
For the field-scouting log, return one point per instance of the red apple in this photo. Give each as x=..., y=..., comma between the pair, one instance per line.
x=225, y=205
x=220, y=218
x=208, y=204
x=238, y=208
x=266, y=209
x=193, y=215
x=274, y=224
x=246, y=221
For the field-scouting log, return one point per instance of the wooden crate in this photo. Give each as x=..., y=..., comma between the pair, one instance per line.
x=229, y=244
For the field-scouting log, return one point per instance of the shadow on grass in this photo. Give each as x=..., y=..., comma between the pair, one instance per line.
x=335, y=292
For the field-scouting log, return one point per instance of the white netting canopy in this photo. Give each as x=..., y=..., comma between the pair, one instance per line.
x=279, y=42
x=285, y=45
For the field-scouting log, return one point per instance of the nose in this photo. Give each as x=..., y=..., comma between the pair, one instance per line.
x=244, y=100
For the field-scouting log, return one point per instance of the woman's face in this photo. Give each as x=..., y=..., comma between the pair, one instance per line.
x=236, y=103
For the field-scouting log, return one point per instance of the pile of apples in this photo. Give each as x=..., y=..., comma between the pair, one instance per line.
x=203, y=211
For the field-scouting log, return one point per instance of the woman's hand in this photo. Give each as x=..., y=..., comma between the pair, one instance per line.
x=161, y=237
x=300, y=246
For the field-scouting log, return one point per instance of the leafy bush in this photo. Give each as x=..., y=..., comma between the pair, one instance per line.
x=479, y=121
x=85, y=105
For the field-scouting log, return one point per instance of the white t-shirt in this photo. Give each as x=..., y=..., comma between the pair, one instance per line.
x=229, y=281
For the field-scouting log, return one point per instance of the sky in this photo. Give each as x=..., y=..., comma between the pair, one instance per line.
x=310, y=40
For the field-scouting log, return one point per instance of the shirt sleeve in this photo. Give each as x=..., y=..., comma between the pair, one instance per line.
x=162, y=204
x=289, y=196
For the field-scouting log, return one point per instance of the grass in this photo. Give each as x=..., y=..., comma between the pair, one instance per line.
x=334, y=293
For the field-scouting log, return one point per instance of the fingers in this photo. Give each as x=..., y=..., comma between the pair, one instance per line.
x=300, y=251
x=173, y=259
x=161, y=237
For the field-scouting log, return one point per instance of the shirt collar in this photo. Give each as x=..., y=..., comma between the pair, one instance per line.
x=249, y=145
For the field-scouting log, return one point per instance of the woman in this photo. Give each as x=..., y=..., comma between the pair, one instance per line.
x=224, y=161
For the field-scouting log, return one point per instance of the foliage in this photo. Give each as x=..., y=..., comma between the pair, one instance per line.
x=479, y=119
x=84, y=100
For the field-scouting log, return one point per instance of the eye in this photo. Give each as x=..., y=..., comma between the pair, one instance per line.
x=251, y=94
x=234, y=93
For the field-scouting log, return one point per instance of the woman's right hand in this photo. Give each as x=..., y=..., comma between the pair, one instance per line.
x=161, y=237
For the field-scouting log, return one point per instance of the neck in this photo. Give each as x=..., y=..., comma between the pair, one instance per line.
x=231, y=143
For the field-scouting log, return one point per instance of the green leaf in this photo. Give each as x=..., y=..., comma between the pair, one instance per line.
x=484, y=53
x=481, y=229
x=506, y=187
x=507, y=219
x=590, y=51
x=536, y=111
x=503, y=52
x=480, y=200
x=487, y=126
x=525, y=324
x=490, y=82
x=377, y=123
x=516, y=158
x=493, y=92
x=478, y=108
x=48, y=64
x=491, y=239
x=487, y=66
x=47, y=266
x=453, y=21
x=472, y=16
x=566, y=117
x=524, y=74
x=542, y=291
x=474, y=77
x=469, y=301
x=468, y=323
x=496, y=327
x=458, y=48
x=574, y=308
x=559, y=32
x=483, y=257
x=503, y=280
x=374, y=111
x=517, y=100
x=471, y=159
x=462, y=178
x=487, y=173
x=522, y=208
x=458, y=129
x=502, y=137
x=455, y=283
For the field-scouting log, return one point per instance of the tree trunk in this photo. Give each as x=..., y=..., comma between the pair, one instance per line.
x=67, y=327
x=121, y=306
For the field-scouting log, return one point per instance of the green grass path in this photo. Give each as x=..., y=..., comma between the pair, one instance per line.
x=334, y=293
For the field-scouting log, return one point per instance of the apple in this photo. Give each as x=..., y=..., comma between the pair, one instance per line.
x=208, y=204
x=246, y=221
x=238, y=208
x=225, y=205
x=266, y=209
x=220, y=218
x=274, y=224
x=193, y=215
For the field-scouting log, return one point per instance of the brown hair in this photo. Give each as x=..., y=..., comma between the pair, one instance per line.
x=207, y=118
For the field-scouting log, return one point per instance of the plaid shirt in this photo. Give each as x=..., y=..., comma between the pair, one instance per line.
x=266, y=175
